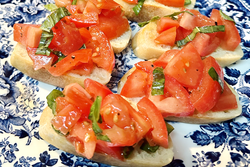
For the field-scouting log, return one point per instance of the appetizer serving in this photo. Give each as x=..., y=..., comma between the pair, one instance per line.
x=105, y=127
x=183, y=86
x=215, y=36
x=74, y=42
x=144, y=10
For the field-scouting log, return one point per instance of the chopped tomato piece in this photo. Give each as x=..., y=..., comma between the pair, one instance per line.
x=206, y=95
x=84, y=19
x=227, y=100
x=64, y=65
x=130, y=89
x=188, y=21
x=85, y=34
x=61, y=103
x=73, y=9
x=175, y=3
x=106, y=4
x=91, y=8
x=83, y=68
x=103, y=55
x=95, y=89
x=159, y=133
x=200, y=42
x=165, y=23
x=146, y=66
x=167, y=37
x=166, y=57
x=186, y=67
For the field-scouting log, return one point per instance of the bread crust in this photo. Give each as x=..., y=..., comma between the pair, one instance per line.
x=196, y=118
x=150, y=9
x=138, y=158
x=144, y=47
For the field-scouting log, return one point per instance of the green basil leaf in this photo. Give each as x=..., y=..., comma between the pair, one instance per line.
x=215, y=76
x=158, y=82
x=127, y=151
x=173, y=15
x=50, y=7
x=74, y=2
x=146, y=147
x=226, y=17
x=170, y=128
x=142, y=24
x=51, y=99
x=94, y=116
x=137, y=8
x=187, y=2
x=205, y=29
x=45, y=40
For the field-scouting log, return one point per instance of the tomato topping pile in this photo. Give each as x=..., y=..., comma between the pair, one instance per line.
x=189, y=83
x=80, y=39
x=94, y=119
x=172, y=31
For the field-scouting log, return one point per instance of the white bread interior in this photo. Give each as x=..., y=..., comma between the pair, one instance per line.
x=120, y=43
x=196, y=118
x=150, y=9
x=144, y=47
x=138, y=158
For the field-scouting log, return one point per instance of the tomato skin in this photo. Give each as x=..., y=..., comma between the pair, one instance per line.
x=83, y=68
x=146, y=66
x=165, y=58
x=165, y=23
x=159, y=133
x=84, y=20
x=175, y=3
x=188, y=21
x=95, y=89
x=85, y=34
x=135, y=90
x=186, y=67
x=206, y=95
x=61, y=103
x=167, y=37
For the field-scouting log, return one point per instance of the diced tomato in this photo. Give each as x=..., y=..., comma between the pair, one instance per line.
x=166, y=57
x=206, y=95
x=115, y=111
x=67, y=38
x=130, y=89
x=27, y=34
x=165, y=23
x=40, y=61
x=186, y=67
x=146, y=66
x=106, y=4
x=61, y=103
x=95, y=89
x=116, y=152
x=175, y=3
x=91, y=8
x=66, y=118
x=167, y=37
x=64, y=65
x=188, y=21
x=85, y=34
x=73, y=9
x=215, y=15
x=227, y=100
x=84, y=19
x=83, y=68
x=113, y=23
x=103, y=55
x=83, y=138
x=200, y=42
x=213, y=45
x=62, y=3
x=159, y=133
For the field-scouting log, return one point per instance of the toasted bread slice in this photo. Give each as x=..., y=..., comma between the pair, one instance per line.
x=144, y=47
x=138, y=158
x=120, y=43
x=196, y=118
x=149, y=9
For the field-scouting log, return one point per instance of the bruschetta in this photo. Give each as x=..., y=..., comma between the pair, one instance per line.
x=95, y=123
x=144, y=10
x=72, y=44
x=215, y=36
x=183, y=86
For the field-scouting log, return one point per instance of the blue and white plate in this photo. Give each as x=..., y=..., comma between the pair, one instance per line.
x=22, y=100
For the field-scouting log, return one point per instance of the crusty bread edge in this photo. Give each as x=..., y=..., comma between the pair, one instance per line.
x=197, y=118
x=120, y=43
x=46, y=131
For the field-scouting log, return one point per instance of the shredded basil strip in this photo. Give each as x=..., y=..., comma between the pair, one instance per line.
x=50, y=7
x=137, y=8
x=170, y=128
x=205, y=29
x=187, y=2
x=142, y=24
x=74, y=2
x=226, y=17
x=150, y=149
x=127, y=151
x=94, y=116
x=45, y=40
x=158, y=82
x=51, y=99
x=215, y=76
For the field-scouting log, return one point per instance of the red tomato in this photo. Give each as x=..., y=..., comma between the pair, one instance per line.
x=206, y=95
x=227, y=100
x=106, y=4
x=40, y=61
x=103, y=55
x=175, y=3
x=115, y=111
x=61, y=103
x=159, y=133
x=85, y=34
x=83, y=68
x=146, y=66
x=166, y=57
x=73, y=9
x=27, y=34
x=130, y=89
x=165, y=23
x=167, y=37
x=201, y=42
x=113, y=23
x=186, y=67
x=95, y=89
x=83, y=138
x=91, y=8
x=67, y=63
x=188, y=21
x=66, y=118
x=67, y=38
x=84, y=19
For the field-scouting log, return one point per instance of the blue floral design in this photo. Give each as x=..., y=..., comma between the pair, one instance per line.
x=45, y=160
x=7, y=153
